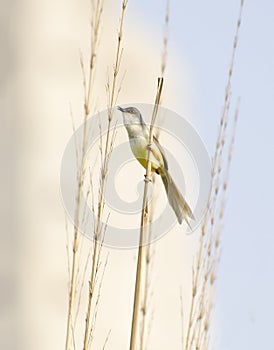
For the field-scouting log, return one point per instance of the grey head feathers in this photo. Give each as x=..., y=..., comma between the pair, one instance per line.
x=132, y=112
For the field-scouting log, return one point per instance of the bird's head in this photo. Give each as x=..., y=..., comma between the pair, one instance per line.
x=131, y=116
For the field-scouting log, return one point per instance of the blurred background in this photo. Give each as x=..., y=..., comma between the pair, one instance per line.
x=41, y=80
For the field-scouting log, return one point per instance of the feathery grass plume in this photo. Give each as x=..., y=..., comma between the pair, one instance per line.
x=197, y=330
x=203, y=340
x=143, y=229
x=112, y=91
x=146, y=318
x=98, y=8
x=165, y=40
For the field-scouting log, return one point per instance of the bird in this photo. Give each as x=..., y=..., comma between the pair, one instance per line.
x=138, y=134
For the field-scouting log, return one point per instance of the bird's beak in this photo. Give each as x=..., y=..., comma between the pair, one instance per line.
x=120, y=109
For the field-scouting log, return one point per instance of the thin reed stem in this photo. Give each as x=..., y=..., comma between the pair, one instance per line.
x=149, y=252
x=216, y=257
x=165, y=41
x=81, y=174
x=148, y=260
x=204, y=255
x=143, y=229
x=104, y=170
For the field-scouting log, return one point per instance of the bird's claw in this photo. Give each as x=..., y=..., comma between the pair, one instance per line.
x=147, y=178
x=149, y=147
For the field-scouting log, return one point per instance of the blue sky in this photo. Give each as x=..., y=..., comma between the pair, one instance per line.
x=201, y=33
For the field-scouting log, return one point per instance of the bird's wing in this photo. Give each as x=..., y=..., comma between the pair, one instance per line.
x=158, y=145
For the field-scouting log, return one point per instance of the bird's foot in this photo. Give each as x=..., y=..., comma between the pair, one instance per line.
x=149, y=147
x=147, y=178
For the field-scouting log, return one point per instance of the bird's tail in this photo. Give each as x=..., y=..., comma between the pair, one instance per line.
x=176, y=199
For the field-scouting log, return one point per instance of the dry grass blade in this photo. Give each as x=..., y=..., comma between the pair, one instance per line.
x=182, y=317
x=97, y=300
x=67, y=250
x=164, y=53
x=143, y=229
x=106, y=341
x=112, y=93
x=81, y=174
x=98, y=6
x=149, y=254
x=216, y=257
x=149, y=249
x=206, y=263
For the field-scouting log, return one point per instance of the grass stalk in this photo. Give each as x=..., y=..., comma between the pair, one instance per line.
x=216, y=257
x=147, y=278
x=143, y=229
x=81, y=174
x=204, y=263
x=203, y=276
x=112, y=94
x=149, y=252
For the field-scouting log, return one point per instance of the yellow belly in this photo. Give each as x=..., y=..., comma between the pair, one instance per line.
x=140, y=151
